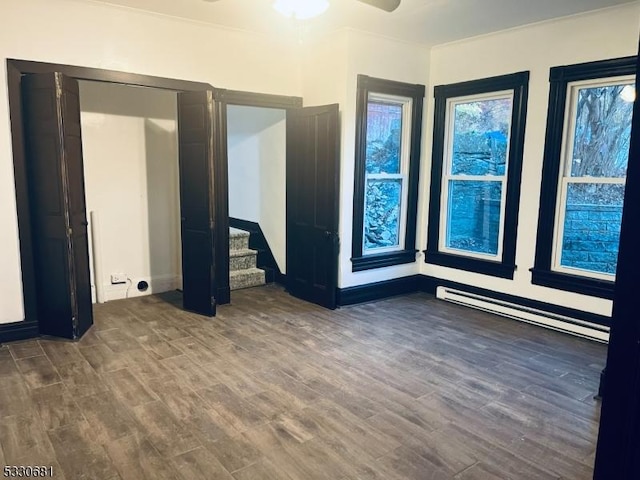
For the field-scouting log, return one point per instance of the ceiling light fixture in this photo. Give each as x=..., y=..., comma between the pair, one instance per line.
x=301, y=9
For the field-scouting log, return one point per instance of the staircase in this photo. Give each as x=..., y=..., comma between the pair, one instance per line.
x=243, y=272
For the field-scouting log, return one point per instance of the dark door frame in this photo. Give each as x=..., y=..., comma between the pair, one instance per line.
x=244, y=99
x=618, y=451
x=28, y=328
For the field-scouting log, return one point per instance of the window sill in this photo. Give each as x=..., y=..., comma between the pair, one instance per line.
x=469, y=264
x=379, y=260
x=573, y=283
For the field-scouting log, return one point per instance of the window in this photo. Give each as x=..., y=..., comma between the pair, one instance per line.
x=475, y=174
x=474, y=181
x=388, y=129
x=386, y=173
x=585, y=166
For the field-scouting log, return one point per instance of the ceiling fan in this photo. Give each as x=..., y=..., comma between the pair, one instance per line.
x=386, y=5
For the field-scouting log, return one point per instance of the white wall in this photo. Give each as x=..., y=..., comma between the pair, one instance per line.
x=392, y=60
x=130, y=150
x=243, y=147
x=595, y=36
x=322, y=71
x=273, y=168
x=359, y=53
x=103, y=36
x=324, y=61
x=256, y=139
x=329, y=75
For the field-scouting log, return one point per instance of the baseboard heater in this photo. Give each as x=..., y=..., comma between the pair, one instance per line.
x=534, y=316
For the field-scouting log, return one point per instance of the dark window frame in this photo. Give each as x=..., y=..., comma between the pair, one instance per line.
x=366, y=85
x=559, y=78
x=504, y=268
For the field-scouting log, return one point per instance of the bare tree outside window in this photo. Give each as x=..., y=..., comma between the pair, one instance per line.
x=592, y=187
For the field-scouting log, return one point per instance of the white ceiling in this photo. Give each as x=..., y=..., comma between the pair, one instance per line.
x=430, y=22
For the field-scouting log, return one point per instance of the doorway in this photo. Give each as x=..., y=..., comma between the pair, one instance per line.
x=284, y=175
x=256, y=149
x=130, y=153
x=312, y=165
x=53, y=241
x=203, y=116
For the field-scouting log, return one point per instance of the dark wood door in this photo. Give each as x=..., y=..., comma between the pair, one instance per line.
x=196, y=159
x=313, y=167
x=57, y=201
x=618, y=452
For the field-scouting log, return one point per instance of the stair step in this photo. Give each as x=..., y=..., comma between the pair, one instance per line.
x=242, y=259
x=251, y=277
x=238, y=239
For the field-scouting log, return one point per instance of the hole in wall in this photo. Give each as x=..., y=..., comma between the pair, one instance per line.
x=143, y=286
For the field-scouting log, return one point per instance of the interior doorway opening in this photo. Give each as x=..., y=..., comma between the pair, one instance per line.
x=256, y=152
x=56, y=187
x=130, y=153
x=311, y=138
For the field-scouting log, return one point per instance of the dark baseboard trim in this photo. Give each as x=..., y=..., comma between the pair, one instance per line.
x=429, y=285
x=257, y=241
x=243, y=224
x=366, y=293
x=272, y=275
x=223, y=296
x=423, y=283
x=378, y=290
x=280, y=278
x=11, y=332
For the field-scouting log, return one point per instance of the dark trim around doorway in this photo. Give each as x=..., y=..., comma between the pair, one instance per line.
x=28, y=328
x=15, y=70
x=224, y=98
x=251, y=99
x=108, y=76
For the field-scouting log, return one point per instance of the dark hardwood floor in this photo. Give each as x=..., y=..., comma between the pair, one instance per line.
x=275, y=388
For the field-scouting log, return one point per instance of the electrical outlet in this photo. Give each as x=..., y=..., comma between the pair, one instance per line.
x=118, y=278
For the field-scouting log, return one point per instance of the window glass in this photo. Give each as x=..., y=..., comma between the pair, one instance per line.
x=591, y=232
x=591, y=191
x=382, y=213
x=602, y=131
x=473, y=184
x=474, y=216
x=386, y=171
x=480, y=137
x=384, y=133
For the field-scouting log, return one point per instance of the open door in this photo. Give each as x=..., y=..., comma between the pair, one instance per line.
x=57, y=201
x=313, y=163
x=196, y=159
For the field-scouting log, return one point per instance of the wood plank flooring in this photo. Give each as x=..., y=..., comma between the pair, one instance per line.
x=274, y=388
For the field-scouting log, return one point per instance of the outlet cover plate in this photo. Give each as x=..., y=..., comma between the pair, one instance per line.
x=117, y=278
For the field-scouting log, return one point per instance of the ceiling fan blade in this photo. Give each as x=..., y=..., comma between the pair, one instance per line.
x=386, y=5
